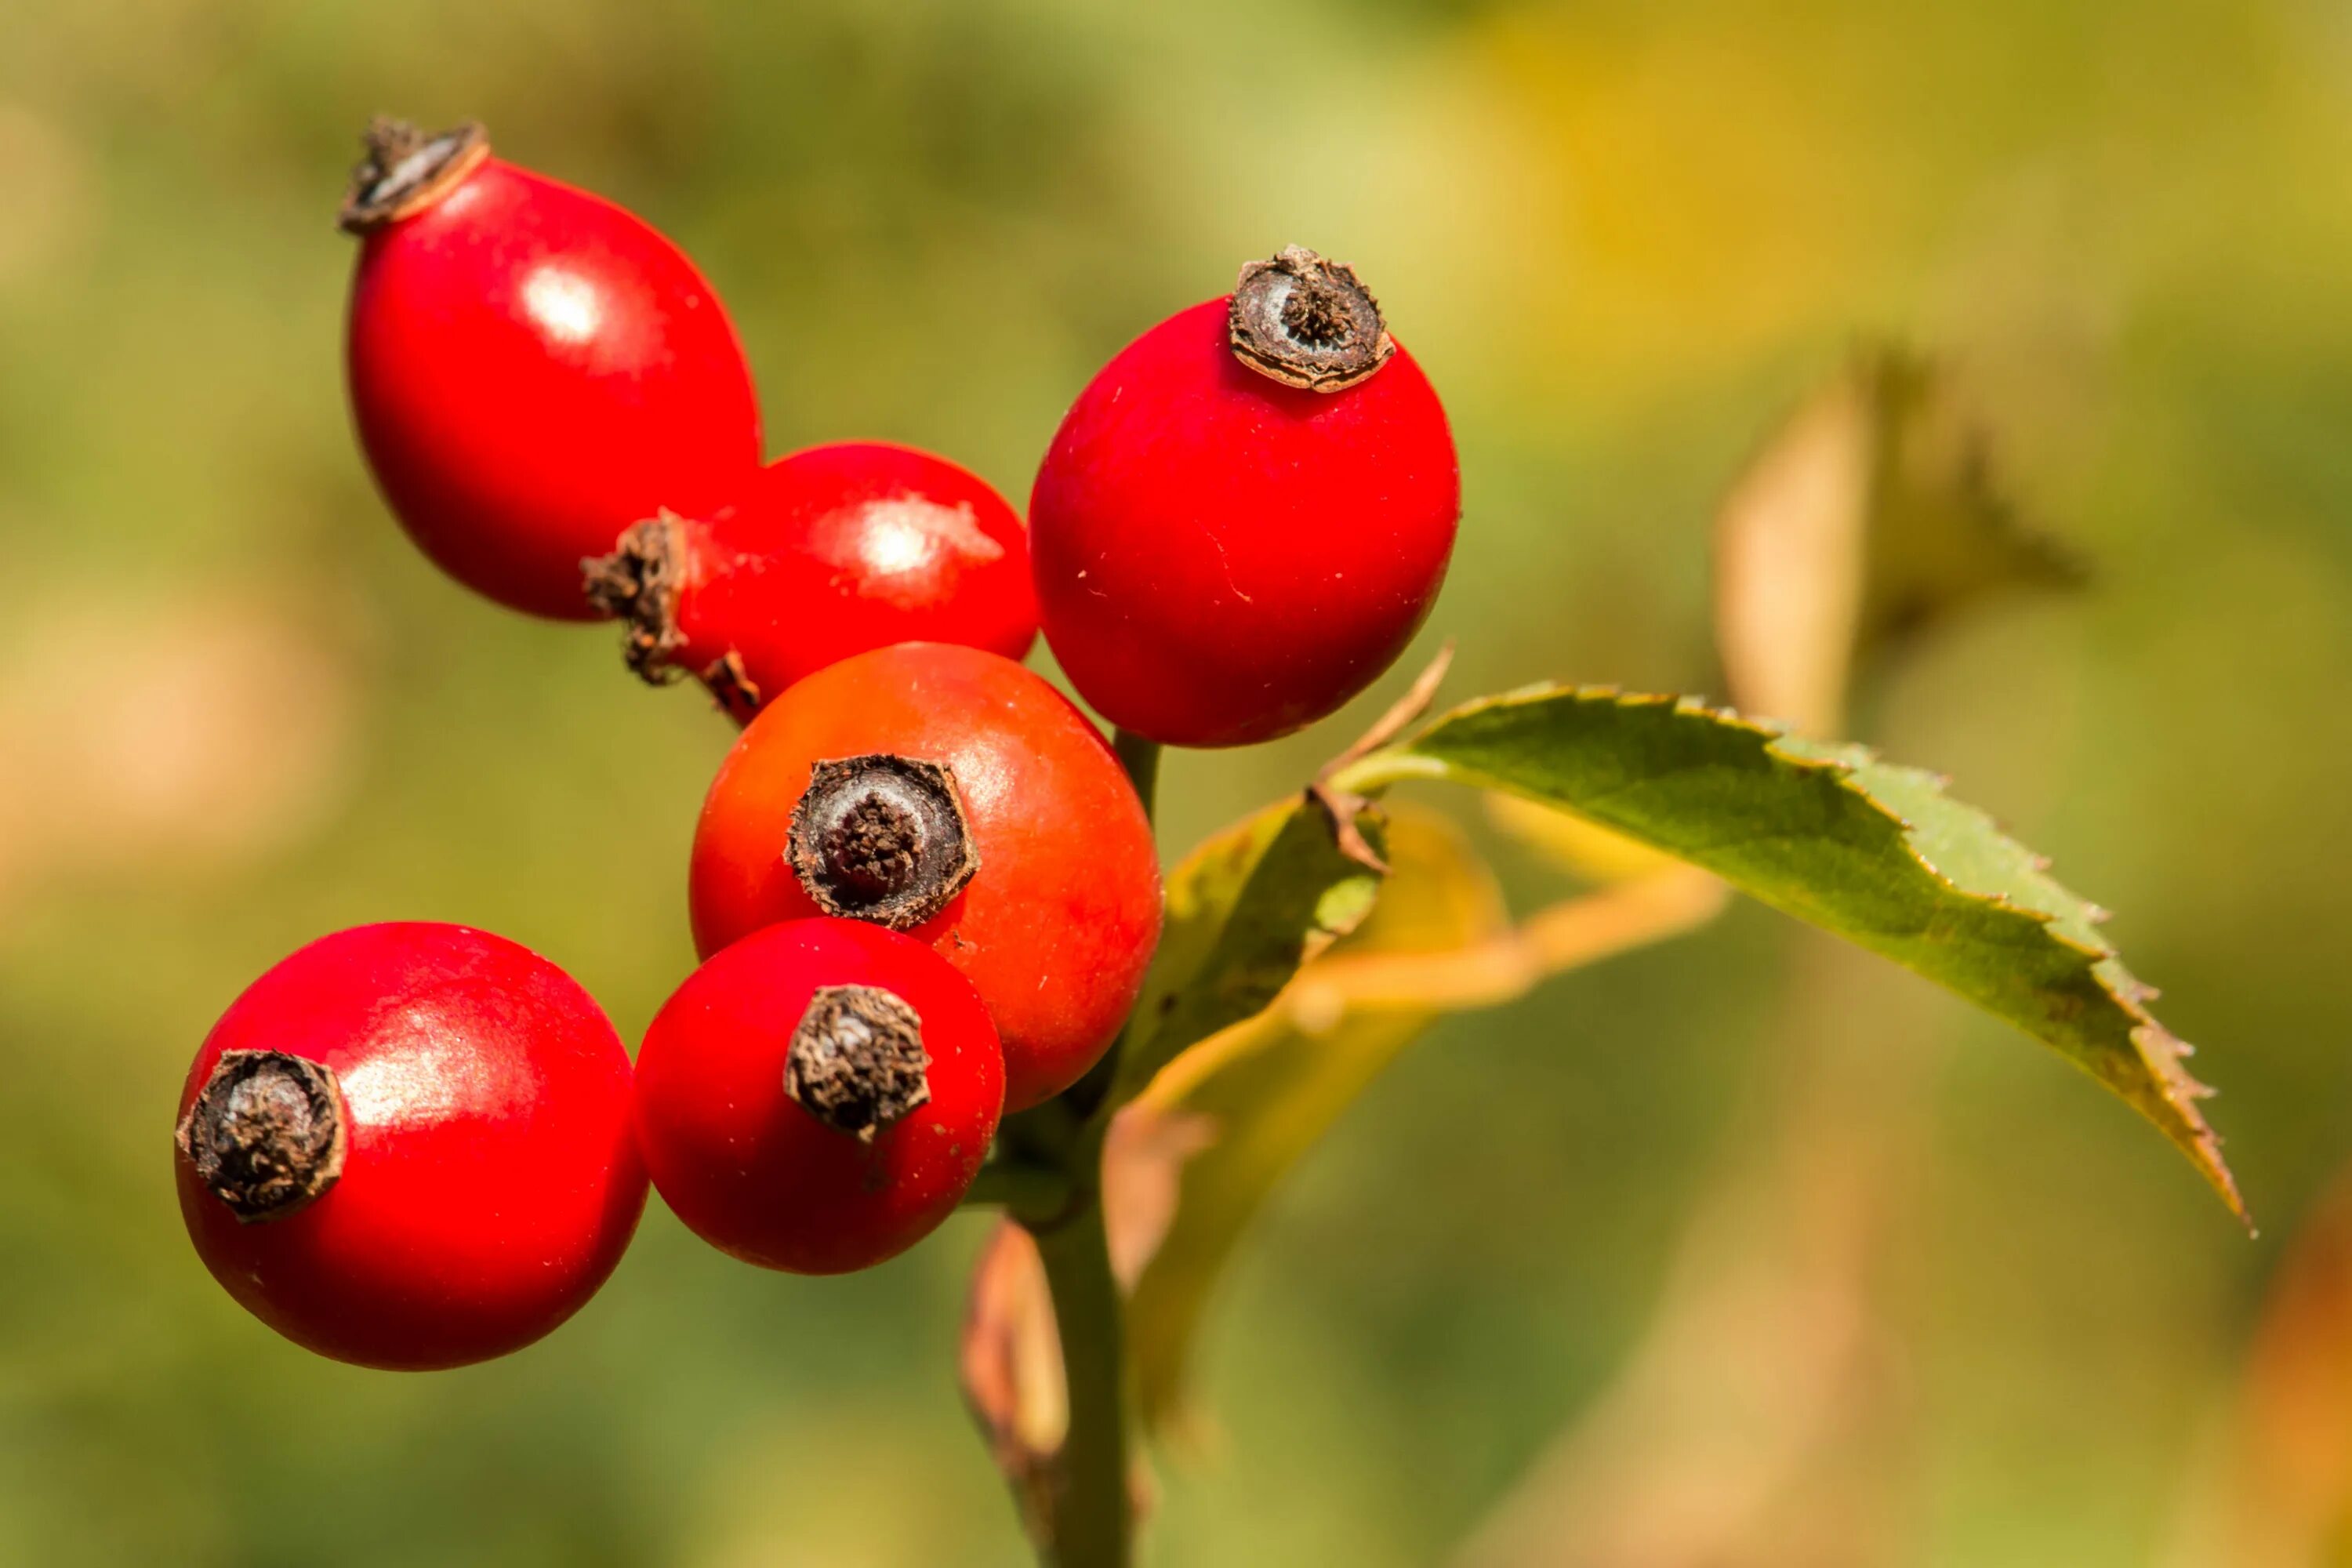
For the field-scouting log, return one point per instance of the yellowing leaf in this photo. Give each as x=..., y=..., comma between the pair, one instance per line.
x=1511, y=962
x=1264, y=1090
x=1009, y=1362
x=1245, y=909
x=1872, y=512
x=1788, y=561
x=1575, y=846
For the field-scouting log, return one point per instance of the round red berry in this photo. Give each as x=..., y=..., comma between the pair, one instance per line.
x=951, y=794
x=820, y=555
x=818, y=1097
x=1247, y=515
x=532, y=369
x=410, y=1145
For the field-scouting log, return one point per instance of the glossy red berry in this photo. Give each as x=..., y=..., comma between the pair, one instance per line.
x=818, y=1097
x=410, y=1145
x=532, y=369
x=951, y=794
x=820, y=555
x=1247, y=515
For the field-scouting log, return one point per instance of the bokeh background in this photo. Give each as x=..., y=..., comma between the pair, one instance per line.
x=235, y=711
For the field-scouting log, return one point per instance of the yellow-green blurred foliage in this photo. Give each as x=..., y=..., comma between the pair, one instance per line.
x=235, y=711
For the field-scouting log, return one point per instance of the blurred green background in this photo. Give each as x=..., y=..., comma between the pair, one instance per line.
x=235, y=711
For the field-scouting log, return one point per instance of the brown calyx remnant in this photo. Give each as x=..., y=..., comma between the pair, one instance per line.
x=1307, y=321
x=637, y=586
x=407, y=171
x=266, y=1134
x=731, y=687
x=882, y=838
x=857, y=1061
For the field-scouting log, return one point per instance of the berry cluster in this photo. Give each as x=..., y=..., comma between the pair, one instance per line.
x=923, y=887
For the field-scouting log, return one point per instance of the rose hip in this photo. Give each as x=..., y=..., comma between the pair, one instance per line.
x=821, y=555
x=531, y=368
x=409, y=1145
x=1247, y=515
x=953, y=794
x=818, y=1097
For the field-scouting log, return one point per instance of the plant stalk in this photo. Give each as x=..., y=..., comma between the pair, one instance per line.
x=1093, y=1510
x=1021, y=1189
x=1093, y=1514
x=1140, y=758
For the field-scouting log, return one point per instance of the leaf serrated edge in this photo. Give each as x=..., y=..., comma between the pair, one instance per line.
x=2158, y=1048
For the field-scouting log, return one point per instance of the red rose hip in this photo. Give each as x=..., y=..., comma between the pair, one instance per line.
x=409, y=1145
x=1247, y=515
x=531, y=368
x=953, y=794
x=820, y=555
x=818, y=1097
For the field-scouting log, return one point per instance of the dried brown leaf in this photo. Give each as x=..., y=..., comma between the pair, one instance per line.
x=1010, y=1363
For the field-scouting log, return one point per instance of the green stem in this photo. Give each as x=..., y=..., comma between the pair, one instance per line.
x=1093, y=1523
x=1140, y=758
x=1092, y=1508
x=1023, y=1189
x=1048, y=1172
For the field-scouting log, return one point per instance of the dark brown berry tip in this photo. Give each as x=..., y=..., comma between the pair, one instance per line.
x=406, y=170
x=857, y=1061
x=882, y=838
x=1308, y=322
x=637, y=585
x=266, y=1134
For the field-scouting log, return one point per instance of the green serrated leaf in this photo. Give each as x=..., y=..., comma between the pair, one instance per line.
x=1246, y=908
x=1873, y=852
x=1264, y=1090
